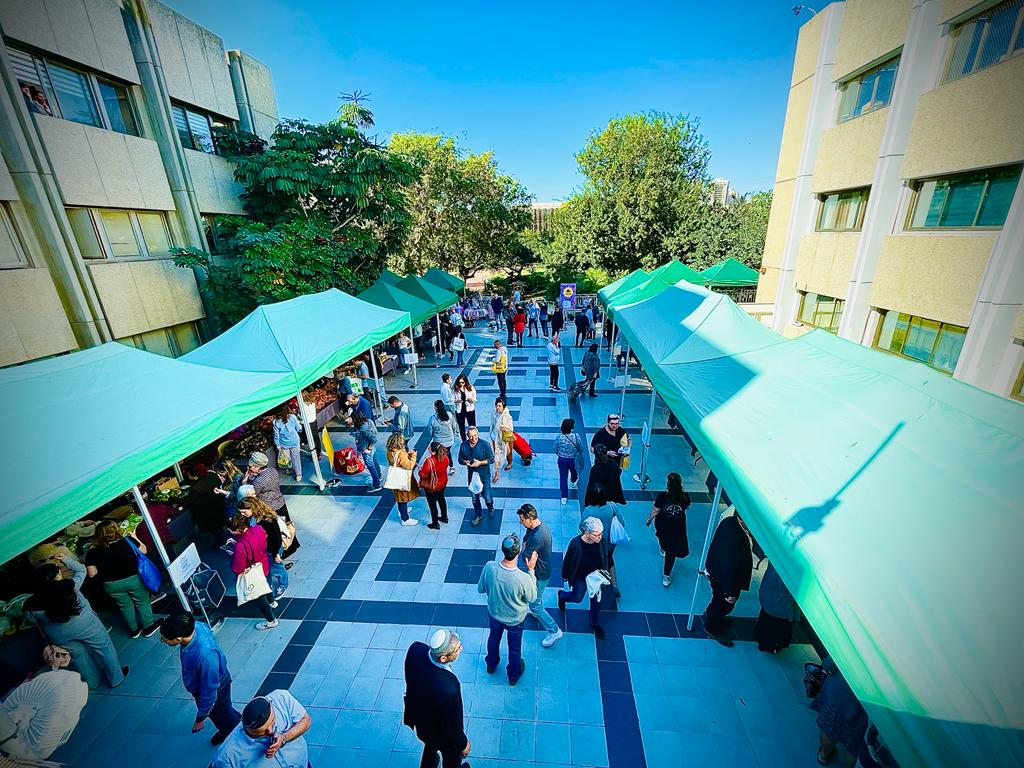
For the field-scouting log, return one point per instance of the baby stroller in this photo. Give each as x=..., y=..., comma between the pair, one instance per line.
x=575, y=392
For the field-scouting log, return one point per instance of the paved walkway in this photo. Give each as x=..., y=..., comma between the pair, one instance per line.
x=363, y=588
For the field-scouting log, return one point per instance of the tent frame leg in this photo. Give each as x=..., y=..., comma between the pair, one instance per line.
x=625, y=383
x=155, y=534
x=377, y=380
x=712, y=519
x=641, y=476
x=314, y=454
x=412, y=348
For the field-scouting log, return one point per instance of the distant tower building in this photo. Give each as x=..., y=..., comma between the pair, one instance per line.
x=722, y=193
x=542, y=215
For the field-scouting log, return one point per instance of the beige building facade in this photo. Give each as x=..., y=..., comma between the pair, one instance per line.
x=898, y=215
x=107, y=118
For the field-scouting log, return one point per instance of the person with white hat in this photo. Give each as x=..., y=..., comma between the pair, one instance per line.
x=433, y=700
x=587, y=554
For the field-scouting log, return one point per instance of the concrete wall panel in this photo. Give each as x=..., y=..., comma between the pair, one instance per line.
x=140, y=296
x=848, y=153
x=825, y=262
x=1018, y=325
x=793, y=130
x=259, y=89
x=808, y=43
x=214, y=181
x=7, y=188
x=32, y=319
x=872, y=29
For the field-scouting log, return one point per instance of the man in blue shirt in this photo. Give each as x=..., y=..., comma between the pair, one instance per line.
x=402, y=422
x=204, y=671
x=270, y=734
x=478, y=456
x=358, y=404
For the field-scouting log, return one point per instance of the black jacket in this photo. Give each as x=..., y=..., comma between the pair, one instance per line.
x=433, y=701
x=729, y=560
x=206, y=506
x=574, y=554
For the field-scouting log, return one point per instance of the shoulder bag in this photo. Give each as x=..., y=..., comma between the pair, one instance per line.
x=398, y=479
x=148, y=572
x=251, y=583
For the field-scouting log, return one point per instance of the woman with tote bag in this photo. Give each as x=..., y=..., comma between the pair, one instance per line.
x=399, y=478
x=113, y=559
x=251, y=566
x=502, y=436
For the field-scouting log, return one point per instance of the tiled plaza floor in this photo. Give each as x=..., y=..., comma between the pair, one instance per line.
x=363, y=588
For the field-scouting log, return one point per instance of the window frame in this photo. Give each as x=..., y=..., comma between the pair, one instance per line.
x=1017, y=392
x=917, y=186
x=836, y=314
x=8, y=224
x=909, y=319
x=862, y=194
x=858, y=79
x=107, y=250
x=212, y=121
x=958, y=29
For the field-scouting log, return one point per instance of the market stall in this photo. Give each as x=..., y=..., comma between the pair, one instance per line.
x=446, y=280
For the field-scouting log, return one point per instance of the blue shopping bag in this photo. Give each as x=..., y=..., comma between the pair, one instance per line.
x=148, y=572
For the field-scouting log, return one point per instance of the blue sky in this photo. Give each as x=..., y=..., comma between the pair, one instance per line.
x=530, y=81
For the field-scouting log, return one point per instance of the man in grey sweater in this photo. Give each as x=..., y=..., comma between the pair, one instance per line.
x=509, y=594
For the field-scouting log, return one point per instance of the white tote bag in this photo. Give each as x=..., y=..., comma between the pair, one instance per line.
x=398, y=479
x=251, y=583
x=618, y=536
x=476, y=484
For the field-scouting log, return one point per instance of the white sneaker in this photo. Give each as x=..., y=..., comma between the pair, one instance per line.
x=666, y=581
x=564, y=502
x=273, y=603
x=574, y=483
x=262, y=625
x=411, y=521
x=552, y=638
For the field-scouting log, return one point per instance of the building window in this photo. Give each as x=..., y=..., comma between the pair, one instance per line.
x=929, y=341
x=195, y=128
x=105, y=233
x=868, y=91
x=173, y=341
x=965, y=201
x=842, y=211
x=820, y=311
x=989, y=38
x=12, y=252
x=1017, y=393
x=57, y=90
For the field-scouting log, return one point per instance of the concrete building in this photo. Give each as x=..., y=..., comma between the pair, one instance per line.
x=106, y=117
x=542, y=215
x=722, y=193
x=898, y=217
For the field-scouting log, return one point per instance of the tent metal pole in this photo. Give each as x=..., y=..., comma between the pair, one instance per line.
x=641, y=476
x=155, y=534
x=440, y=338
x=611, y=353
x=412, y=347
x=313, y=453
x=712, y=519
x=377, y=381
x=625, y=383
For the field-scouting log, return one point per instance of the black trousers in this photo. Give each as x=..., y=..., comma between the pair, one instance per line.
x=581, y=336
x=450, y=758
x=467, y=419
x=438, y=506
x=718, y=609
x=553, y=369
x=502, y=385
x=670, y=560
x=593, y=383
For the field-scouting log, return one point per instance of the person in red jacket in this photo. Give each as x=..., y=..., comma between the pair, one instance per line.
x=519, y=325
x=433, y=481
x=250, y=549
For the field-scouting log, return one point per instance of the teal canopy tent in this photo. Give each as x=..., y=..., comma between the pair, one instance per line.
x=446, y=280
x=438, y=297
x=389, y=277
x=392, y=297
x=93, y=424
x=622, y=284
x=729, y=273
x=886, y=494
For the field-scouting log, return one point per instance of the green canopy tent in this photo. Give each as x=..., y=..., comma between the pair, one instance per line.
x=389, y=277
x=94, y=424
x=855, y=469
x=446, y=280
x=392, y=297
x=729, y=273
x=439, y=298
x=624, y=283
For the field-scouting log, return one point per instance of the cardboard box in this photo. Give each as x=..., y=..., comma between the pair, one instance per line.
x=165, y=483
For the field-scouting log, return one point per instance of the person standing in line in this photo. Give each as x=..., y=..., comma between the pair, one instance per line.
x=497, y=307
x=433, y=480
x=207, y=498
x=286, y=439
x=516, y=297
x=112, y=560
x=580, y=320
x=64, y=616
x=266, y=481
x=441, y=427
x=557, y=321
x=589, y=313
x=585, y=554
x=669, y=516
x=841, y=718
x=510, y=330
x=365, y=433
x=271, y=733
x=509, y=595
x=774, y=627
x=554, y=351
x=519, y=324
x=265, y=517
x=404, y=348
x=502, y=435
x=464, y=397
x=542, y=311
x=369, y=385
x=500, y=368
x=459, y=347
x=569, y=450
x=433, y=700
x=728, y=569
x=401, y=424
x=402, y=458
x=532, y=318
x=477, y=456
x=251, y=549
x=204, y=672
x=590, y=368
x=537, y=541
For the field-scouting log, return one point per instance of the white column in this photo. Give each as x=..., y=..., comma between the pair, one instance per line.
x=155, y=534
x=313, y=453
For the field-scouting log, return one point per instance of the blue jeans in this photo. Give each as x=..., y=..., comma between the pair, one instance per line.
x=458, y=357
x=515, y=646
x=224, y=715
x=539, y=612
x=576, y=594
x=370, y=460
x=566, y=470
x=278, y=578
x=485, y=475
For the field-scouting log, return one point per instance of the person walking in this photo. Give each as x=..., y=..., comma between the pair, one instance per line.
x=669, y=516
x=590, y=368
x=433, y=700
x=401, y=458
x=773, y=629
x=598, y=505
x=554, y=352
x=433, y=480
x=607, y=474
x=401, y=423
x=542, y=313
x=611, y=438
x=441, y=427
x=728, y=568
x=65, y=617
x=500, y=367
x=271, y=524
x=251, y=549
x=569, y=450
x=365, y=434
x=477, y=456
x=286, y=439
x=270, y=733
x=112, y=560
x=464, y=397
x=557, y=321
x=519, y=324
x=538, y=541
x=580, y=320
x=533, y=318
x=509, y=595
x=204, y=673
x=502, y=435
x=447, y=393
x=459, y=346
x=588, y=552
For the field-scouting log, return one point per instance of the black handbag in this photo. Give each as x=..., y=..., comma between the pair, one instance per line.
x=814, y=678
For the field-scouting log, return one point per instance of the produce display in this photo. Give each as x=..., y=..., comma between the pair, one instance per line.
x=321, y=394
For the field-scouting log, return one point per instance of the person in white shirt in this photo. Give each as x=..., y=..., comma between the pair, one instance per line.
x=554, y=350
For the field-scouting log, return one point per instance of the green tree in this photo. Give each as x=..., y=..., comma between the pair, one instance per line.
x=465, y=215
x=736, y=231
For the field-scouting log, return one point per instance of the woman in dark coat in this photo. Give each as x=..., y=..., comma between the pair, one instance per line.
x=590, y=551
x=728, y=567
x=774, y=628
x=607, y=474
x=669, y=516
x=841, y=718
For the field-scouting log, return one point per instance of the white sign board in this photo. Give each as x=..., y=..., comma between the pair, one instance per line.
x=410, y=358
x=184, y=565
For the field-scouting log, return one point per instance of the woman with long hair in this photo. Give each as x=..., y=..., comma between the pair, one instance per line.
x=267, y=519
x=669, y=516
x=64, y=616
x=441, y=428
x=502, y=435
x=399, y=456
x=464, y=397
x=569, y=450
x=112, y=561
x=433, y=480
x=251, y=549
x=286, y=438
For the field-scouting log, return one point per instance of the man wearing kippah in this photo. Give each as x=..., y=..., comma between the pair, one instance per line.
x=270, y=734
x=509, y=594
x=433, y=700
